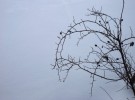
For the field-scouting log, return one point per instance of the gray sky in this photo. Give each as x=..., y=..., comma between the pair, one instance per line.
x=28, y=32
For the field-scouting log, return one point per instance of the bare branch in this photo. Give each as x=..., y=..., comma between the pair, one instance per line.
x=111, y=55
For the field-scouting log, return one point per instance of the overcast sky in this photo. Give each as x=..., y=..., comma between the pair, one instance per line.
x=28, y=33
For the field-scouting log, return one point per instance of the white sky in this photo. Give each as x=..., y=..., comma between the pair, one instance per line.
x=28, y=32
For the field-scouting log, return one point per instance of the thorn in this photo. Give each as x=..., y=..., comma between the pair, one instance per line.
x=117, y=58
x=108, y=41
x=98, y=62
x=106, y=57
x=69, y=31
x=60, y=32
x=132, y=44
x=107, y=22
x=121, y=20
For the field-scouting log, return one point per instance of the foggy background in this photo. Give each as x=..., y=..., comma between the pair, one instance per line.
x=28, y=33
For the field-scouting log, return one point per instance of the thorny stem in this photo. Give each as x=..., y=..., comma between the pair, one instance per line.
x=123, y=66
